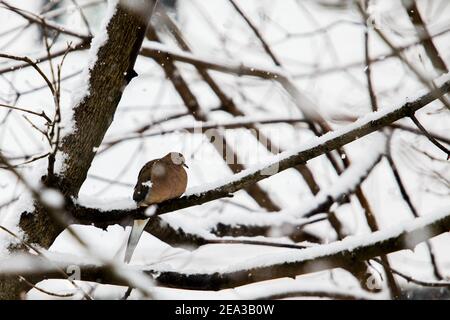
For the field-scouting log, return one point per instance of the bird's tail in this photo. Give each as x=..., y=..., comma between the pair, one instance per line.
x=135, y=235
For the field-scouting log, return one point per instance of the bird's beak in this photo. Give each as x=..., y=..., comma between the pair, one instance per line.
x=185, y=165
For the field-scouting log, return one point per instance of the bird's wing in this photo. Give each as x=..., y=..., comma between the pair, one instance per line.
x=143, y=185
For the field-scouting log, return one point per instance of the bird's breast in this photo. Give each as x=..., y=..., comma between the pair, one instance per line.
x=168, y=182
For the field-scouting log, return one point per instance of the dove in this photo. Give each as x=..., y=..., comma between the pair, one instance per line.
x=159, y=180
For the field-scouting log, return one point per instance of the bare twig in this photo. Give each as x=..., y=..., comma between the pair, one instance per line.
x=31, y=17
x=40, y=114
x=368, y=68
x=429, y=136
x=53, y=294
x=414, y=14
x=438, y=284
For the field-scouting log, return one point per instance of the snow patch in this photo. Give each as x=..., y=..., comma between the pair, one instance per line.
x=60, y=162
x=106, y=204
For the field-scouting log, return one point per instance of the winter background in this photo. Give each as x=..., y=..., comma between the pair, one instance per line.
x=321, y=46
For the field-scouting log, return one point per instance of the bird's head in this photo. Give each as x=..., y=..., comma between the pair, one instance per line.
x=176, y=158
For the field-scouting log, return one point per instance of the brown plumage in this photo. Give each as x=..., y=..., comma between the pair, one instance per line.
x=160, y=180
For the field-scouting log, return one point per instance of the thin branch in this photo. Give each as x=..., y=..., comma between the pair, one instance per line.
x=411, y=207
x=254, y=243
x=53, y=294
x=40, y=114
x=413, y=12
x=33, y=159
x=43, y=58
x=33, y=64
x=83, y=17
x=368, y=68
x=314, y=294
x=359, y=64
x=438, y=284
x=202, y=127
x=400, y=55
x=31, y=17
x=419, y=132
x=256, y=32
x=429, y=136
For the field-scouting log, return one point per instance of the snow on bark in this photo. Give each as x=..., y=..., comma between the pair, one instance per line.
x=348, y=244
x=105, y=204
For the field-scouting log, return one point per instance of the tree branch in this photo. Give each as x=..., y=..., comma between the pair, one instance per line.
x=277, y=265
x=317, y=147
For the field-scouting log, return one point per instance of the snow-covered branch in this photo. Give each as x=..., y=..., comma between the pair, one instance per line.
x=345, y=184
x=224, y=188
x=286, y=263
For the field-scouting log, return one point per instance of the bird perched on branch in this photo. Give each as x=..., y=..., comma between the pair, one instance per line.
x=159, y=180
